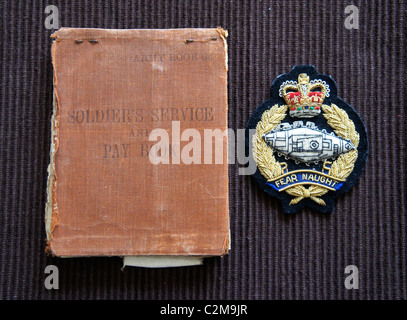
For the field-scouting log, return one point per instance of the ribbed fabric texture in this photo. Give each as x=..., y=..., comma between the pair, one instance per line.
x=273, y=256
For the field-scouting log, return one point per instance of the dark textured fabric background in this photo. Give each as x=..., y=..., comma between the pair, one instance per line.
x=273, y=256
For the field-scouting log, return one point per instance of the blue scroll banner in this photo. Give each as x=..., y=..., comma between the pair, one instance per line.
x=300, y=177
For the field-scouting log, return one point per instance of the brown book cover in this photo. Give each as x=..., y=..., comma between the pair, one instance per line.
x=116, y=94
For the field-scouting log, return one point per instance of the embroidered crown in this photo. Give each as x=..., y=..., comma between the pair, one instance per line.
x=304, y=98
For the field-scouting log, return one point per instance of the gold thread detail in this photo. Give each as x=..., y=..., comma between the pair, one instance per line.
x=262, y=154
x=305, y=183
x=345, y=128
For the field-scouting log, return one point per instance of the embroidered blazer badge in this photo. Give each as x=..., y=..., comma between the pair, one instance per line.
x=309, y=145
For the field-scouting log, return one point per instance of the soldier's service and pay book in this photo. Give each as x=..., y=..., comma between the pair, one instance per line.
x=117, y=95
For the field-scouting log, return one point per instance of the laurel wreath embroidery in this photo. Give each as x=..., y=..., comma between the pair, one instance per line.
x=262, y=154
x=270, y=168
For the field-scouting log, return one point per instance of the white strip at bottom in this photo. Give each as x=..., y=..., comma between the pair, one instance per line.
x=161, y=261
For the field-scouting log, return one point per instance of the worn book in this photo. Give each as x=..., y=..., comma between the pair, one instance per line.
x=138, y=161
